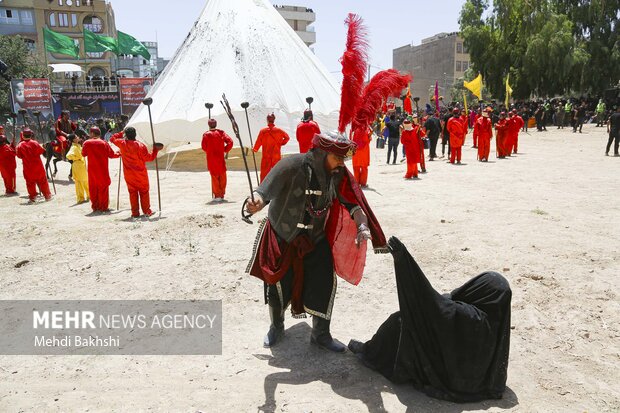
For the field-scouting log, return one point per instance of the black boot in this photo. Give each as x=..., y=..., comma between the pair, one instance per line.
x=322, y=338
x=356, y=347
x=276, y=330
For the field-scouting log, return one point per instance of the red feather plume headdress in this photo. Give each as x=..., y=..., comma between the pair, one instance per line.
x=354, y=66
x=359, y=105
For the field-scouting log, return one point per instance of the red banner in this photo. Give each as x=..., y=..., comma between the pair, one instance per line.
x=133, y=91
x=32, y=95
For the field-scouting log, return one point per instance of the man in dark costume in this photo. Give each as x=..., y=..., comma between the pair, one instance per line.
x=318, y=222
x=453, y=346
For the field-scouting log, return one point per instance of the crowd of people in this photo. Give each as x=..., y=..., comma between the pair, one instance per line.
x=417, y=132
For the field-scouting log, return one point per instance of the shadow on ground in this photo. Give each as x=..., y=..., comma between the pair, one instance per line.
x=348, y=378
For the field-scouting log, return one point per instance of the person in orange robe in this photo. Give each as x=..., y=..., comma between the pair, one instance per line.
x=30, y=151
x=64, y=127
x=135, y=155
x=98, y=153
x=271, y=139
x=475, y=117
x=483, y=128
x=457, y=136
x=306, y=130
x=517, y=124
x=216, y=144
x=361, y=158
x=411, y=138
x=8, y=165
x=502, y=127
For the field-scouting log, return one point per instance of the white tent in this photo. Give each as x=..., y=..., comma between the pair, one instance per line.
x=245, y=49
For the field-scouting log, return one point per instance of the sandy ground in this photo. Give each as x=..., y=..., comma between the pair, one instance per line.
x=547, y=219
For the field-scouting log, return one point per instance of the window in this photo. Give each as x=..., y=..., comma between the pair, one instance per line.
x=60, y=2
x=26, y=17
x=93, y=23
x=74, y=21
x=465, y=49
x=459, y=47
x=63, y=20
x=8, y=16
x=458, y=66
x=95, y=55
x=53, y=19
x=465, y=66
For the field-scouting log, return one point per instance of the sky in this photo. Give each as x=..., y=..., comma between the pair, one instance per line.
x=390, y=24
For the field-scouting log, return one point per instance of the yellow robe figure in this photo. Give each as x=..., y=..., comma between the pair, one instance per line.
x=80, y=177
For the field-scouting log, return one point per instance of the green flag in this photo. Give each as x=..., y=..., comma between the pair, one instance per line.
x=129, y=45
x=95, y=43
x=59, y=43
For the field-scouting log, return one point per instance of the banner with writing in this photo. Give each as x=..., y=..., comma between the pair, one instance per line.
x=133, y=91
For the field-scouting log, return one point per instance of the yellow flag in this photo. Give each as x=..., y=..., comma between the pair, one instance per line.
x=475, y=86
x=508, y=91
x=465, y=102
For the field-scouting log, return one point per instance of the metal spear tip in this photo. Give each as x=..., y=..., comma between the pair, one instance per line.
x=245, y=105
x=416, y=99
x=209, y=105
x=309, y=100
x=36, y=113
x=22, y=111
x=148, y=101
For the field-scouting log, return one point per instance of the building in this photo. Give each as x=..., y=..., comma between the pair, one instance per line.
x=69, y=17
x=441, y=58
x=300, y=19
x=138, y=66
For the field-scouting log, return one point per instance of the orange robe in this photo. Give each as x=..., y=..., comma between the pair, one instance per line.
x=135, y=156
x=271, y=139
x=361, y=160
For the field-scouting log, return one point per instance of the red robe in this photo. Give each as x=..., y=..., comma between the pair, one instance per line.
x=8, y=167
x=271, y=139
x=483, y=128
x=410, y=139
x=216, y=144
x=502, y=128
x=305, y=133
x=457, y=132
x=63, y=129
x=98, y=153
x=516, y=123
x=30, y=151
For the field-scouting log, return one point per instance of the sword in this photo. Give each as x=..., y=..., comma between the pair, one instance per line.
x=244, y=216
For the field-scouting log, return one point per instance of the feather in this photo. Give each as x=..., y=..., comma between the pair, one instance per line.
x=354, y=66
x=383, y=85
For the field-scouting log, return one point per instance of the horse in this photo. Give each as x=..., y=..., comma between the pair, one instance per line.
x=50, y=154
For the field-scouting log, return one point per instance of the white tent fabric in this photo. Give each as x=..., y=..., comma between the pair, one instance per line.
x=245, y=49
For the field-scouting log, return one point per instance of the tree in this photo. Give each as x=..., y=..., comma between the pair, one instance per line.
x=549, y=47
x=21, y=63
